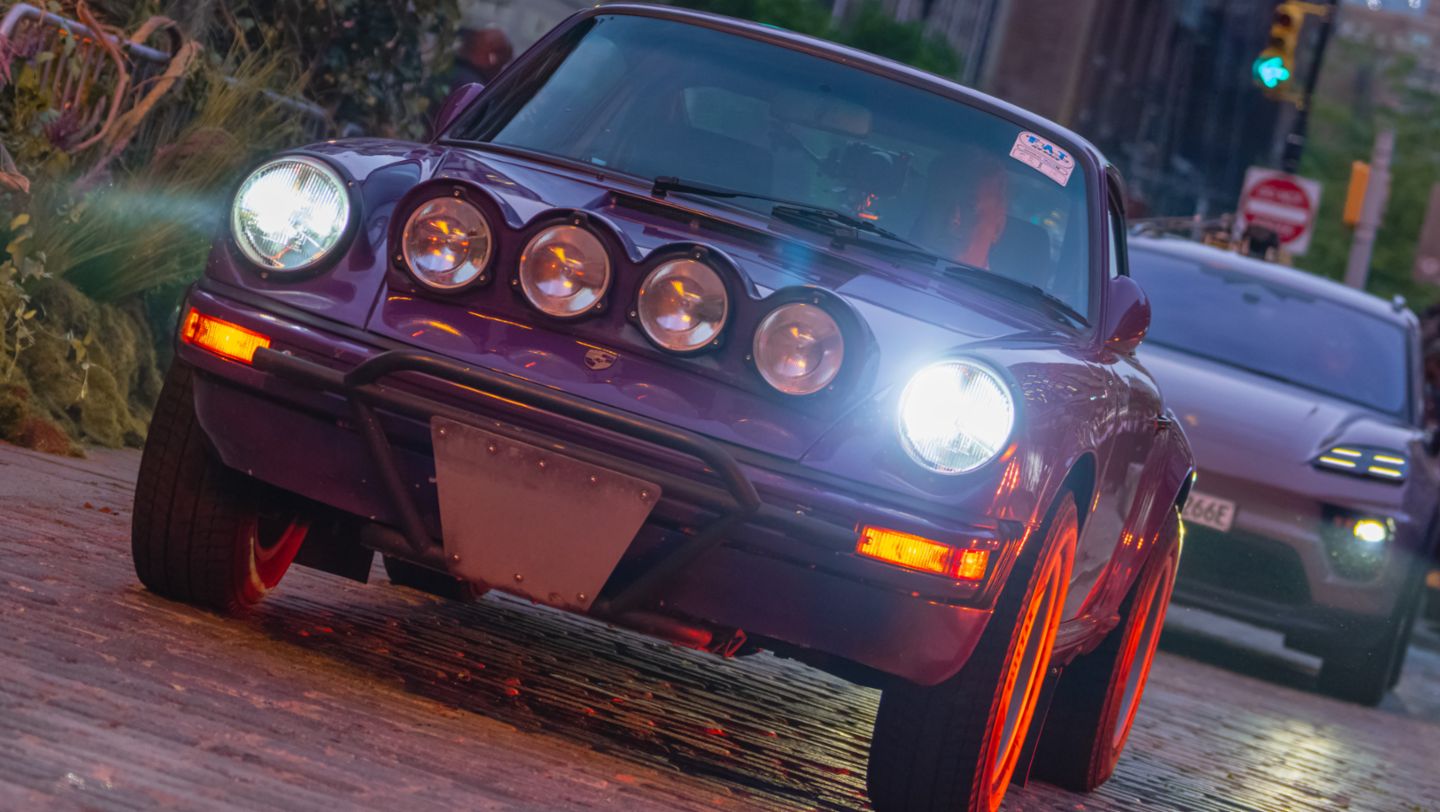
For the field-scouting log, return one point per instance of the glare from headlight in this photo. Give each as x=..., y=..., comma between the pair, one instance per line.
x=799, y=348
x=1371, y=531
x=447, y=243
x=683, y=305
x=955, y=416
x=290, y=214
x=565, y=271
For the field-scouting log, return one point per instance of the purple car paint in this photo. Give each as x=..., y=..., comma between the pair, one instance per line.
x=759, y=497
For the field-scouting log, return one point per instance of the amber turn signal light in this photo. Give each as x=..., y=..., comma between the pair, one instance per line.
x=221, y=337
x=919, y=553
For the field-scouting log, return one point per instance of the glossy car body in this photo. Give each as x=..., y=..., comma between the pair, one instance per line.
x=762, y=495
x=1269, y=447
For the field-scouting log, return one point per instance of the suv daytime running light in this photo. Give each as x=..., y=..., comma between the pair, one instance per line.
x=1365, y=462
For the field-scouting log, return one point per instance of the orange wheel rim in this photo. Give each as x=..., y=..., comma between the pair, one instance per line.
x=1139, y=646
x=1029, y=661
x=268, y=563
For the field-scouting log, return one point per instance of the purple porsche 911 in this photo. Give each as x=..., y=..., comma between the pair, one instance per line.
x=723, y=334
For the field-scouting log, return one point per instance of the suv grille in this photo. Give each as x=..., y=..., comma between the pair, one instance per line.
x=1244, y=563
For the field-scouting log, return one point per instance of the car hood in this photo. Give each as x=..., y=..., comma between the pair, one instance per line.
x=1252, y=427
x=771, y=253
x=915, y=316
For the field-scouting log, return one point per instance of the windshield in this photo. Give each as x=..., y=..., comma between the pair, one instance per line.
x=1274, y=330
x=656, y=98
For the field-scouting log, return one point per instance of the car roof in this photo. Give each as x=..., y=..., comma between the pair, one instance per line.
x=1308, y=283
x=868, y=61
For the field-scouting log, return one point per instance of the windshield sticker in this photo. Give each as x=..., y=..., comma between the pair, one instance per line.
x=1044, y=157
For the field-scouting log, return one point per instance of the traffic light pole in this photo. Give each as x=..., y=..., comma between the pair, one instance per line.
x=1362, y=248
x=1295, y=140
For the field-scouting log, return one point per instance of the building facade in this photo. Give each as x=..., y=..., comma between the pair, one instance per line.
x=1380, y=34
x=1162, y=86
x=965, y=24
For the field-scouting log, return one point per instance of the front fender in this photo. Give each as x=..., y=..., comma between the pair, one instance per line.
x=1165, y=481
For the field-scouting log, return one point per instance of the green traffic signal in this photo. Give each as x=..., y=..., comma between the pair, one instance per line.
x=1271, y=72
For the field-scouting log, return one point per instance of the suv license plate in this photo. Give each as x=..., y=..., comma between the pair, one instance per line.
x=1210, y=511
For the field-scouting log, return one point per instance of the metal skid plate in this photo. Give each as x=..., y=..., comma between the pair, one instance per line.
x=529, y=520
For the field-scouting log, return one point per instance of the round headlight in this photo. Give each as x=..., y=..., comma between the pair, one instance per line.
x=290, y=214
x=955, y=416
x=799, y=349
x=565, y=271
x=683, y=305
x=446, y=243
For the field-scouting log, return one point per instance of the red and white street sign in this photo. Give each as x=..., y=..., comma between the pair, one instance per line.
x=1281, y=202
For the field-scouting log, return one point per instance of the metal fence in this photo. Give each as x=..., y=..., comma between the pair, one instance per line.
x=89, y=83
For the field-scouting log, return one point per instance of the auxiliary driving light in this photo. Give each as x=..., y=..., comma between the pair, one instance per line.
x=683, y=305
x=221, y=337
x=799, y=348
x=918, y=553
x=1357, y=545
x=447, y=243
x=1372, y=531
x=565, y=271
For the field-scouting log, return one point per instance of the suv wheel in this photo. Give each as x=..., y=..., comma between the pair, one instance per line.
x=956, y=745
x=1364, y=674
x=202, y=533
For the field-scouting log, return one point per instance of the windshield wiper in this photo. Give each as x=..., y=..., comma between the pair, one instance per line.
x=980, y=277
x=804, y=214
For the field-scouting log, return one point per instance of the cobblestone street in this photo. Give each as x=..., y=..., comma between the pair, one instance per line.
x=335, y=695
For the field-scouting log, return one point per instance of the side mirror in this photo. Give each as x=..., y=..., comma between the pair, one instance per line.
x=1127, y=315
x=454, y=104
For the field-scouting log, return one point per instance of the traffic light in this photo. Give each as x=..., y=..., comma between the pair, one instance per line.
x=1275, y=66
x=1355, y=193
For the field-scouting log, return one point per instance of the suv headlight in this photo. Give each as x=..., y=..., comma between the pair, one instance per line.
x=955, y=416
x=290, y=214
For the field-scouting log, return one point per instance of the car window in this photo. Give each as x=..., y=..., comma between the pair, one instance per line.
x=1280, y=332
x=1117, y=242
x=651, y=98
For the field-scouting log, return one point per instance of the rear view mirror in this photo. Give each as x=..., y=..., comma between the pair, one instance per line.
x=1127, y=315
x=454, y=104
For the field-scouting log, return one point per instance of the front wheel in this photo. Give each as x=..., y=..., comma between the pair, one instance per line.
x=1094, y=704
x=202, y=533
x=1364, y=674
x=956, y=745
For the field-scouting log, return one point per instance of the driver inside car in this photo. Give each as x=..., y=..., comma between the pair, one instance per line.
x=968, y=220
x=966, y=215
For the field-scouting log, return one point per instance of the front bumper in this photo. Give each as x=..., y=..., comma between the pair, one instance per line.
x=736, y=542
x=1274, y=568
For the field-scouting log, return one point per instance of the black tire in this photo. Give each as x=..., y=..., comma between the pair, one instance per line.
x=440, y=584
x=1432, y=599
x=943, y=747
x=197, y=533
x=1365, y=674
x=1095, y=701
